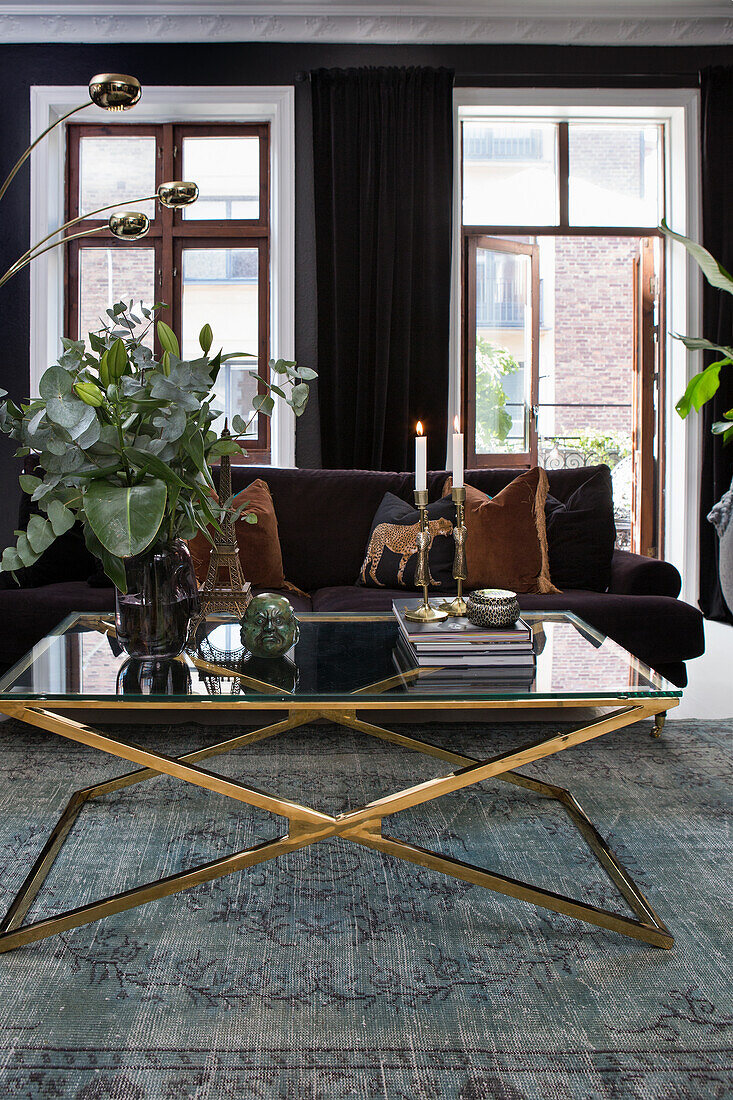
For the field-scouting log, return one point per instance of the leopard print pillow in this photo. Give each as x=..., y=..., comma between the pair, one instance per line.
x=391, y=555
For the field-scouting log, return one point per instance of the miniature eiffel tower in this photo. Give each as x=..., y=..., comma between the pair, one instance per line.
x=216, y=594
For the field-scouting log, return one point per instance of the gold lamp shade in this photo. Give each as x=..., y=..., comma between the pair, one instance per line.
x=178, y=193
x=129, y=226
x=114, y=91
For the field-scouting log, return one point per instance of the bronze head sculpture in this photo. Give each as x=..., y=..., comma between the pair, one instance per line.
x=269, y=626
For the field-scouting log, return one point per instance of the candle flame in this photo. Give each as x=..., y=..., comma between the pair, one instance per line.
x=456, y=425
x=418, y=427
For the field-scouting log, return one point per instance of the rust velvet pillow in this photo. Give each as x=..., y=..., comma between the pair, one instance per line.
x=506, y=544
x=259, y=546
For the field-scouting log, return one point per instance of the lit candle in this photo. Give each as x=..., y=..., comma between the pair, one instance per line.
x=421, y=458
x=457, y=455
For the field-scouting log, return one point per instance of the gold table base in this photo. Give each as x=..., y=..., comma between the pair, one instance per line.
x=308, y=826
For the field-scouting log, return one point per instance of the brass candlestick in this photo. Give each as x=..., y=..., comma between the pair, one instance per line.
x=427, y=613
x=457, y=607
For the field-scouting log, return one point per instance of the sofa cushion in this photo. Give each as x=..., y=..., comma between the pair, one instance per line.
x=506, y=541
x=581, y=534
x=391, y=553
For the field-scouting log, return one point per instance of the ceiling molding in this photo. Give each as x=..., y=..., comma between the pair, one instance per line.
x=571, y=22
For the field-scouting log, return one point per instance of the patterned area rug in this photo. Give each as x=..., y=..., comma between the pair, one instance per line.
x=337, y=973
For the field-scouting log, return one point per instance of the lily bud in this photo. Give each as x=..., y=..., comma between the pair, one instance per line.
x=89, y=393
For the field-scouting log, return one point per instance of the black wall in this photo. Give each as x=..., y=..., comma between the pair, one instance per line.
x=246, y=64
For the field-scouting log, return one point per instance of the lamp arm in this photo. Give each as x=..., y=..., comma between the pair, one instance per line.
x=18, y=266
x=19, y=164
x=32, y=253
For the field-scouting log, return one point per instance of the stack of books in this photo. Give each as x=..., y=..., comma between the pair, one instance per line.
x=458, y=649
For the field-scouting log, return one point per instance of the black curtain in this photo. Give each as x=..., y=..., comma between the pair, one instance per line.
x=383, y=190
x=717, y=220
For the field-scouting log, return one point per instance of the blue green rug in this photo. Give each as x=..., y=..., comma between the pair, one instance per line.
x=337, y=973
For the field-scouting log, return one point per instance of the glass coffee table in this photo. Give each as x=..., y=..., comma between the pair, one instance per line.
x=344, y=668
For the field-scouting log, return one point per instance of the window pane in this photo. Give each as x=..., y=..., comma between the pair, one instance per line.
x=116, y=169
x=220, y=287
x=587, y=349
x=615, y=174
x=509, y=173
x=227, y=170
x=109, y=275
x=503, y=351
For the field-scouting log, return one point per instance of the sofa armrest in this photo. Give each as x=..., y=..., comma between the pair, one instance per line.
x=635, y=575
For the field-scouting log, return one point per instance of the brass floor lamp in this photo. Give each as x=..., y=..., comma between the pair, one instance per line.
x=111, y=92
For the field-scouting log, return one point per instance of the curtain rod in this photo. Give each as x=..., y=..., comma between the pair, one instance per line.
x=533, y=76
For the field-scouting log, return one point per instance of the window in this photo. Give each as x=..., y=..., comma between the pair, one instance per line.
x=209, y=262
x=562, y=292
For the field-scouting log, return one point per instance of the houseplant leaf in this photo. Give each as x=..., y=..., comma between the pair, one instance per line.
x=125, y=518
x=700, y=389
x=714, y=272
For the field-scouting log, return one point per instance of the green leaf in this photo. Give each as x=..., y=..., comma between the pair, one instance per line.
x=236, y=355
x=29, y=483
x=206, y=338
x=10, y=560
x=306, y=373
x=194, y=446
x=114, y=567
x=55, y=383
x=168, y=340
x=700, y=389
x=125, y=518
x=224, y=447
x=153, y=465
x=72, y=345
x=250, y=517
x=697, y=343
x=238, y=424
x=60, y=517
x=263, y=403
x=299, y=398
x=714, y=272
x=26, y=553
x=40, y=534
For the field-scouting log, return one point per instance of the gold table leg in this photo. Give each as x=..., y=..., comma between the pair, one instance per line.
x=307, y=826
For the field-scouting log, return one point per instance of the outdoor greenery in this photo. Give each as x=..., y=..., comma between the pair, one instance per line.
x=705, y=385
x=493, y=421
x=124, y=440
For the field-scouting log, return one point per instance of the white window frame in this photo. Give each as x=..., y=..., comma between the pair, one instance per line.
x=275, y=105
x=679, y=112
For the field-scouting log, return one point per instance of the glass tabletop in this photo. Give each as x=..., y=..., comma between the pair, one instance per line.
x=340, y=656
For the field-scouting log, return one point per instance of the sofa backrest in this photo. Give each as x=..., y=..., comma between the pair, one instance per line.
x=325, y=516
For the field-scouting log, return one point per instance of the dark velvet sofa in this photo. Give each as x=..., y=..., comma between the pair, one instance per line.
x=324, y=519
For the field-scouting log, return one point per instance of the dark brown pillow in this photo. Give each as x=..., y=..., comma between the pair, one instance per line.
x=506, y=543
x=259, y=546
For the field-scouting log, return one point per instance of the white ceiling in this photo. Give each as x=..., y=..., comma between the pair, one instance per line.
x=580, y=22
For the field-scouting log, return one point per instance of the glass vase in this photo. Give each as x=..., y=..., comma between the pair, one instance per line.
x=152, y=617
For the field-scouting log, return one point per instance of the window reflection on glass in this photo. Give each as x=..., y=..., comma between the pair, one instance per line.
x=116, y=169
x=109, y=275
x=220, y=287
x=227, y=171
x=509, y=173
x=615, y=174
x=503, y=351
